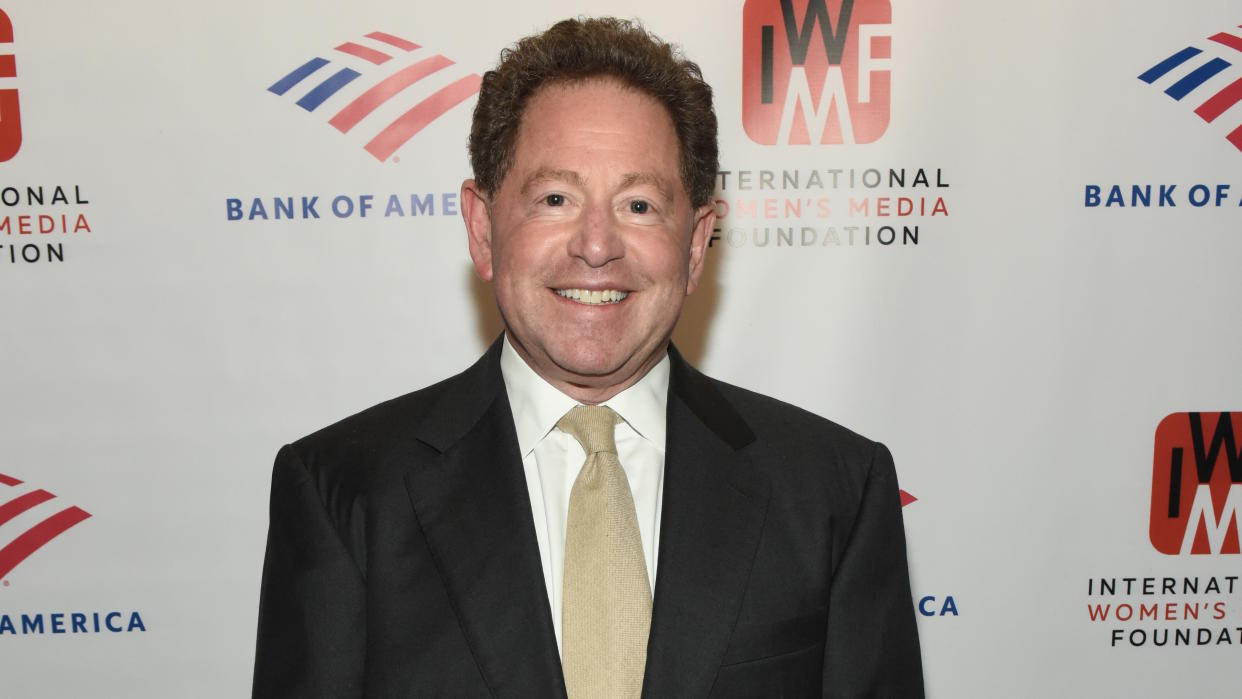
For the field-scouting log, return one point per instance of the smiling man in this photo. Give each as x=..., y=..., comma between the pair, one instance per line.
x=591, y=241
x=581, y=512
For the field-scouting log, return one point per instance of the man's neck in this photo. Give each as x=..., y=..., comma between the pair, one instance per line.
x=591, y=390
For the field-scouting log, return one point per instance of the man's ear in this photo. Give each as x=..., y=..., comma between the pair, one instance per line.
x=700, y=235
x=476, y=211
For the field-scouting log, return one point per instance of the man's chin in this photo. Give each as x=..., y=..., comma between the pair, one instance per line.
x=601, y=369
x=595, y=374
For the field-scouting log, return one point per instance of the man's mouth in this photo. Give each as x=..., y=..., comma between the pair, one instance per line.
x=593, y=297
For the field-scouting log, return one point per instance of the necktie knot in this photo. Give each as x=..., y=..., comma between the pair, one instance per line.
x=592, y=426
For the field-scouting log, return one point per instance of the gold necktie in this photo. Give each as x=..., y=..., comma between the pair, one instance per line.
x=606, y=596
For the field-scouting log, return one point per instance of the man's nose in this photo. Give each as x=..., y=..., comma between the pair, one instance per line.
x=598, y=239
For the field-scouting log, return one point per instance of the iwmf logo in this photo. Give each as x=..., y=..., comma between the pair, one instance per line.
x=10, y=117
x=1196, y=492
x=816, y=71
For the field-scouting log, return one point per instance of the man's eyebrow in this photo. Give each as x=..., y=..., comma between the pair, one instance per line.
x=546, y=174
x=633, y=178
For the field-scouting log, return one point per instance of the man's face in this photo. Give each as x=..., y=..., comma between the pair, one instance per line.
x=590, y=240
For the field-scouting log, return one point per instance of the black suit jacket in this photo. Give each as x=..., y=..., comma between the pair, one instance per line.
x=402, y=560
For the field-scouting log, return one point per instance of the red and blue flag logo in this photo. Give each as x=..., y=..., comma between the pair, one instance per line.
x=1207, y=76
x=368, y=74
x=29, y=519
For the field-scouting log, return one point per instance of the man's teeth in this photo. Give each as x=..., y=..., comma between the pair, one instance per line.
x=592, y=296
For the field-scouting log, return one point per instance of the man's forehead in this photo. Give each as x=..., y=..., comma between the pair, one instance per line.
x=532, y=165
x=551, y=174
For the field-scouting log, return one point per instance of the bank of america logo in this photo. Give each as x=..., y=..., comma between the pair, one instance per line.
x=30, y=518
x=1207, y=76
x=377, y=70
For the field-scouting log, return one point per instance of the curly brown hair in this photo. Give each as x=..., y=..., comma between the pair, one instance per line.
x=580, y=49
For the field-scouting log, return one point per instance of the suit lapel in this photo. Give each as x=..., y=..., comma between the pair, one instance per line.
x=474, y=511
x=715, y=502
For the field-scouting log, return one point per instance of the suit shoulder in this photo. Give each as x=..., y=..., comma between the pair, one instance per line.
x=809, y=460
x=367, y=449
x=795, y=430
x=378, y=423
x=801, y=450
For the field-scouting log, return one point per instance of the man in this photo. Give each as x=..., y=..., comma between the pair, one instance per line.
x=486, y=536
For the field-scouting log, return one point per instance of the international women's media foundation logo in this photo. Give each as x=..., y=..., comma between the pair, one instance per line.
x=10, y=113
x=29, y=519
x=1196, y=493
x=368, y=74
x=816, y=71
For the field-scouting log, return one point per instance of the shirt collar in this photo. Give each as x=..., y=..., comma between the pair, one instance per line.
x=537, y=405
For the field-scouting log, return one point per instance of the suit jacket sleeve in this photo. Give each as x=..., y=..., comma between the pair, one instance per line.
x=311, y=638
x=872, y=646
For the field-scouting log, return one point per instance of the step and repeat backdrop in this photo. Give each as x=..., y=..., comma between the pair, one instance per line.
x=1002, y=238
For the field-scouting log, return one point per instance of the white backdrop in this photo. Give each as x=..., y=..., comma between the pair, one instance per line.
x=1017, y=359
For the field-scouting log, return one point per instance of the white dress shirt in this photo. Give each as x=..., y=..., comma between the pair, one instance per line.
x=552, y=459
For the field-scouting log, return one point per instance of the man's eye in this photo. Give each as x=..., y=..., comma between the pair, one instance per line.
x=554, y=200
x=639, y=206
